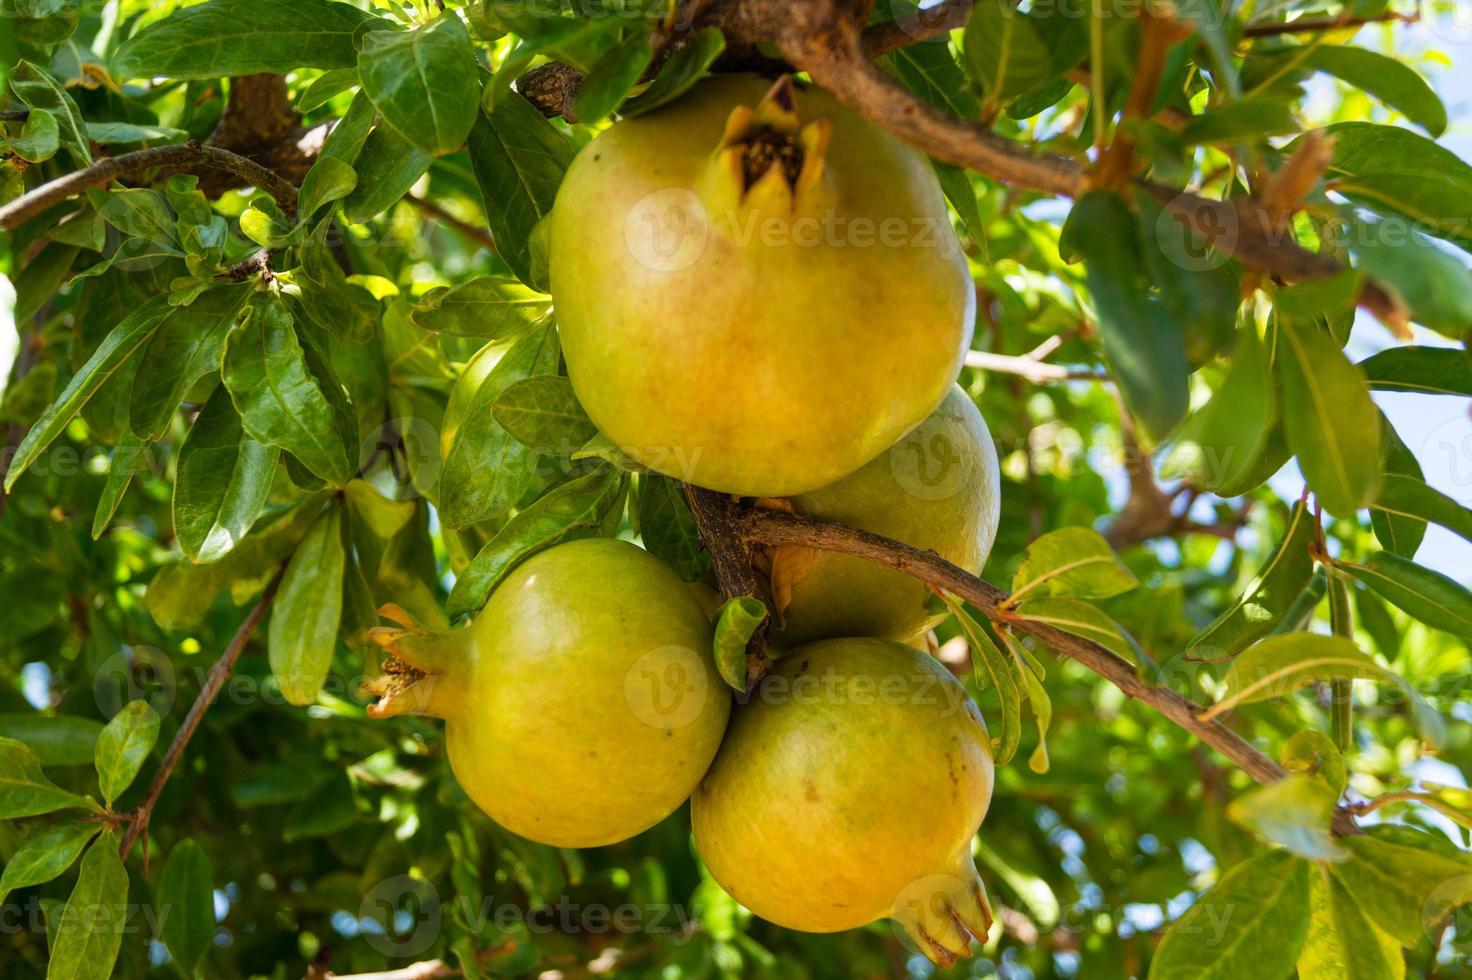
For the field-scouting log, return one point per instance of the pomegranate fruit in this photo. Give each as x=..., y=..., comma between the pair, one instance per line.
x=849, y=789
x=758, y=291
x=937, y=489
x=582, y=704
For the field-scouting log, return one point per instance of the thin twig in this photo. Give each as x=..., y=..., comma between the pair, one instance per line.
x=428, y=970
x=191, y=154
x=213, y=681
x=1313, y=25
x=473, y=232
x=1031, y=369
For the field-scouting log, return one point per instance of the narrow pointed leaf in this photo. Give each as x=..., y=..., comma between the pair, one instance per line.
x=1435, y=599
x=222, y=481
x=187, y=891
x=1333, y=427
x=1267, y=600
x=1073, y=561
x=307, y=611
x=89, y=932
x=116, y=349
x=24, y=790
x=424, y=82
x=44, y=855
x=187, y=345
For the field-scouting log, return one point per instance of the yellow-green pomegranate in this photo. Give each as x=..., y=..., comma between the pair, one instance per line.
x=937, y=489
x=582, y=705
x=757, y=290
x=848, y=790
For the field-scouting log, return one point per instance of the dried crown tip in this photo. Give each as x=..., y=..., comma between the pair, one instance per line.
x=770, y=138
x=782, y=95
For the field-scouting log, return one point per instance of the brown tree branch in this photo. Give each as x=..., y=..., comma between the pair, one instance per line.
x=719, y=519
x=767, y=527
x=427, y=970
x=187, y=156
x=475, y=233
x=917, y=26
x=260, y=124
x=214, y=680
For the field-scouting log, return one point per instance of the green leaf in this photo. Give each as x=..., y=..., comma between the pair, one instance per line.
x=578, y=509
x=519, y=159
x=123, y=747
x=44, y=855
x=116, y=349
x=332, y=176
x=1295, y=812
x=1397, y=172
x=1409, y=497
x=424, y=81
x=543, y=414
x=122, y=465
x=611, y=78
x=1004, y=52
x=991, y=667
x=384, y=517
x=109, y=133
x=308, y=608
x=1387, y=79
x=90, y=930
x=1143, y=342
x=930, y=71
x=1250, y=925
x=1243, y=121
x=387, y=166
x=1332, y=425
x=1266, y=602
x=1403, y=884
x=1281, y=664
x=332, y=82
x=188, y=344
x=56, y=740
x=1396, y=529
x=1222, y=443
x=1073, y=561
x=679, y=72
x=37, y=89
x=1082, y=619
x=1434, y=287
x=1203, y=301
x=486, y=471
x=1420, y=370
x=1037, y=695
x=186, y=889
x=668, y=529
x=1314, y=754
x=39, y=138
x=1342, y=943
x=281, y=401
x=1433, y=598
x=736, y=621
x=242, y=37
x=492, y=307
x=222, y=481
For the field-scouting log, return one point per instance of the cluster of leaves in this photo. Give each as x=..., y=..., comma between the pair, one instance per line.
x=214, y=391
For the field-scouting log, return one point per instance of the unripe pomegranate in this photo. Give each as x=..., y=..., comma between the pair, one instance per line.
x=758, y=291
x=937, y=489
x=849, y=789
x=582, y=704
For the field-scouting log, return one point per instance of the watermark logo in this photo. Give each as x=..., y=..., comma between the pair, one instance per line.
x=408, y=909
x=929, y=467
x=136, y=673
x=667, y=231
x=667, y=688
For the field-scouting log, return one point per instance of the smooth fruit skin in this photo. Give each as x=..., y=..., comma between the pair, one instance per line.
x=848, y=790
x=582, y=705
x=766, y=342
x=937, y=489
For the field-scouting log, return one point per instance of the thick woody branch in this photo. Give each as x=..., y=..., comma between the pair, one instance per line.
x=182, y=156
x=779, y=528
x=720, y=521
x=1316, y=25
x=261, y=124
x=917, y=26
